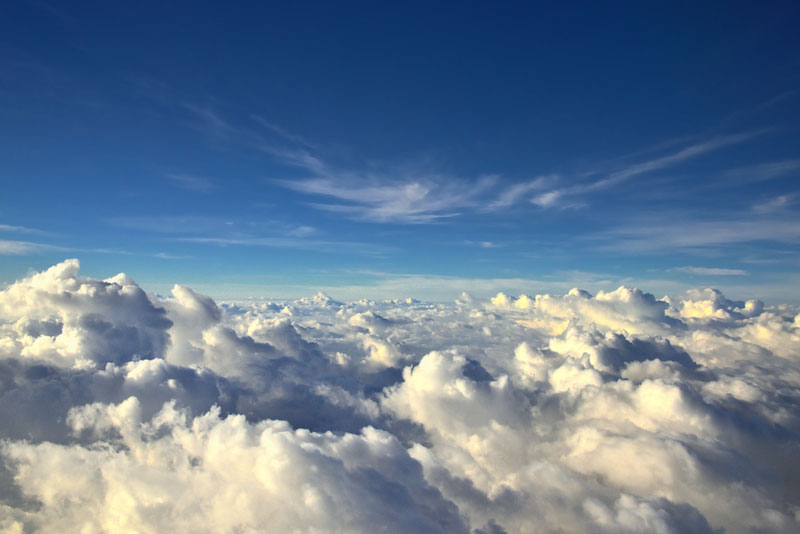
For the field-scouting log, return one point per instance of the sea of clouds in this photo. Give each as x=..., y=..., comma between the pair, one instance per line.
x=122, y=411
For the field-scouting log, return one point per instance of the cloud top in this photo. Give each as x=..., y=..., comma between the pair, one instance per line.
x=614, y=412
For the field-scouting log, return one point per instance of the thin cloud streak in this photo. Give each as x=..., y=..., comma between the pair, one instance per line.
x=371, y=198
x=22, y=248
x=554, y=197
x=516, y=192
x=289, y=136
x=761, y=172
x=778, y=203
x=392, y=194
x=190, y=182
x=293, y=243
x=25, y=248
x=20, y=229
x=384, y=196
x=689, y=235
x=380, y=198
x=419, y=195
x=710, y=271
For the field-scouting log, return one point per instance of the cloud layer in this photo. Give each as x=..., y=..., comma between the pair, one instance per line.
x=616, y=412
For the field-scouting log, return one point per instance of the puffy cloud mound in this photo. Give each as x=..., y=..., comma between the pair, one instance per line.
x=69, y=321
x=210, y=474
x=620, y=412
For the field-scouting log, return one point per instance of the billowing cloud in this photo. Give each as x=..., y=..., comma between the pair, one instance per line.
x=614, y=412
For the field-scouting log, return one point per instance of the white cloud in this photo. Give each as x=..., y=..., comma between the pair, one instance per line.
x=19, y=248
x=223, y=474
x=483, y=244
x=19, y=229
x=711, y=271
x=377, y=199
x=516, y=192
x=614, y=412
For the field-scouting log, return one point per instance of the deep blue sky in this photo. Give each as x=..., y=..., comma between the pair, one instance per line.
x=378, y=150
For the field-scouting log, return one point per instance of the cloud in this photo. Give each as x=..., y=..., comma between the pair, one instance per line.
x=282, y=132
x=375, y=192
x=613, y=412
x=761, y=172
x=72, y=322
x=299, y=242
x=219, y=474
x=211, y=121
x=234, y=232
x=24, y=248
x=190, y=182
x=644, y=236
x=710, y=271
x=516, y=192
x=553, y=198
x=483, y=244
x=774, y=204
x=174, y=224
x=19, y=229
x=19, y=248
x=376, y=199
x=546, y=200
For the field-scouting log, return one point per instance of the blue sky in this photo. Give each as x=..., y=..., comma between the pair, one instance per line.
x=384, y=150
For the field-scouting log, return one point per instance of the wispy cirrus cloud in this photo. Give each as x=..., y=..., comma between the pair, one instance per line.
x=217, y=226
x=25, y=248
x=243, y=233
x=761, y=172
x=517, y=192
x=20, y=229
x=415, y=193
x=420, y=193
x=392, y=197
x=405, y=194
x=190, y=182
x=282, y=132
x=774, y=204
x=710, y=271
x=172, y=224
x=410, y=194
x=483, y=244
x=555, y=197
x=688, y=235
x=21, y=248
x=373, y=198
x=289, y=242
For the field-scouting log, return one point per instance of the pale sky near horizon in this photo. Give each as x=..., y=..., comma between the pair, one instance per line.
x=411, y=150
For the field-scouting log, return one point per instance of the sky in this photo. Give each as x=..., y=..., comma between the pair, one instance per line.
x=419, y=268
x=377, y=150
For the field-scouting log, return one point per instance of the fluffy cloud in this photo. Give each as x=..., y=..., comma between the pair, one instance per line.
x=69, y=321
x=213, y=474
x=619, y=412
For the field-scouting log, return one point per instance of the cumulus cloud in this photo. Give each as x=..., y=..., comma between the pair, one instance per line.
x=614, y=412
